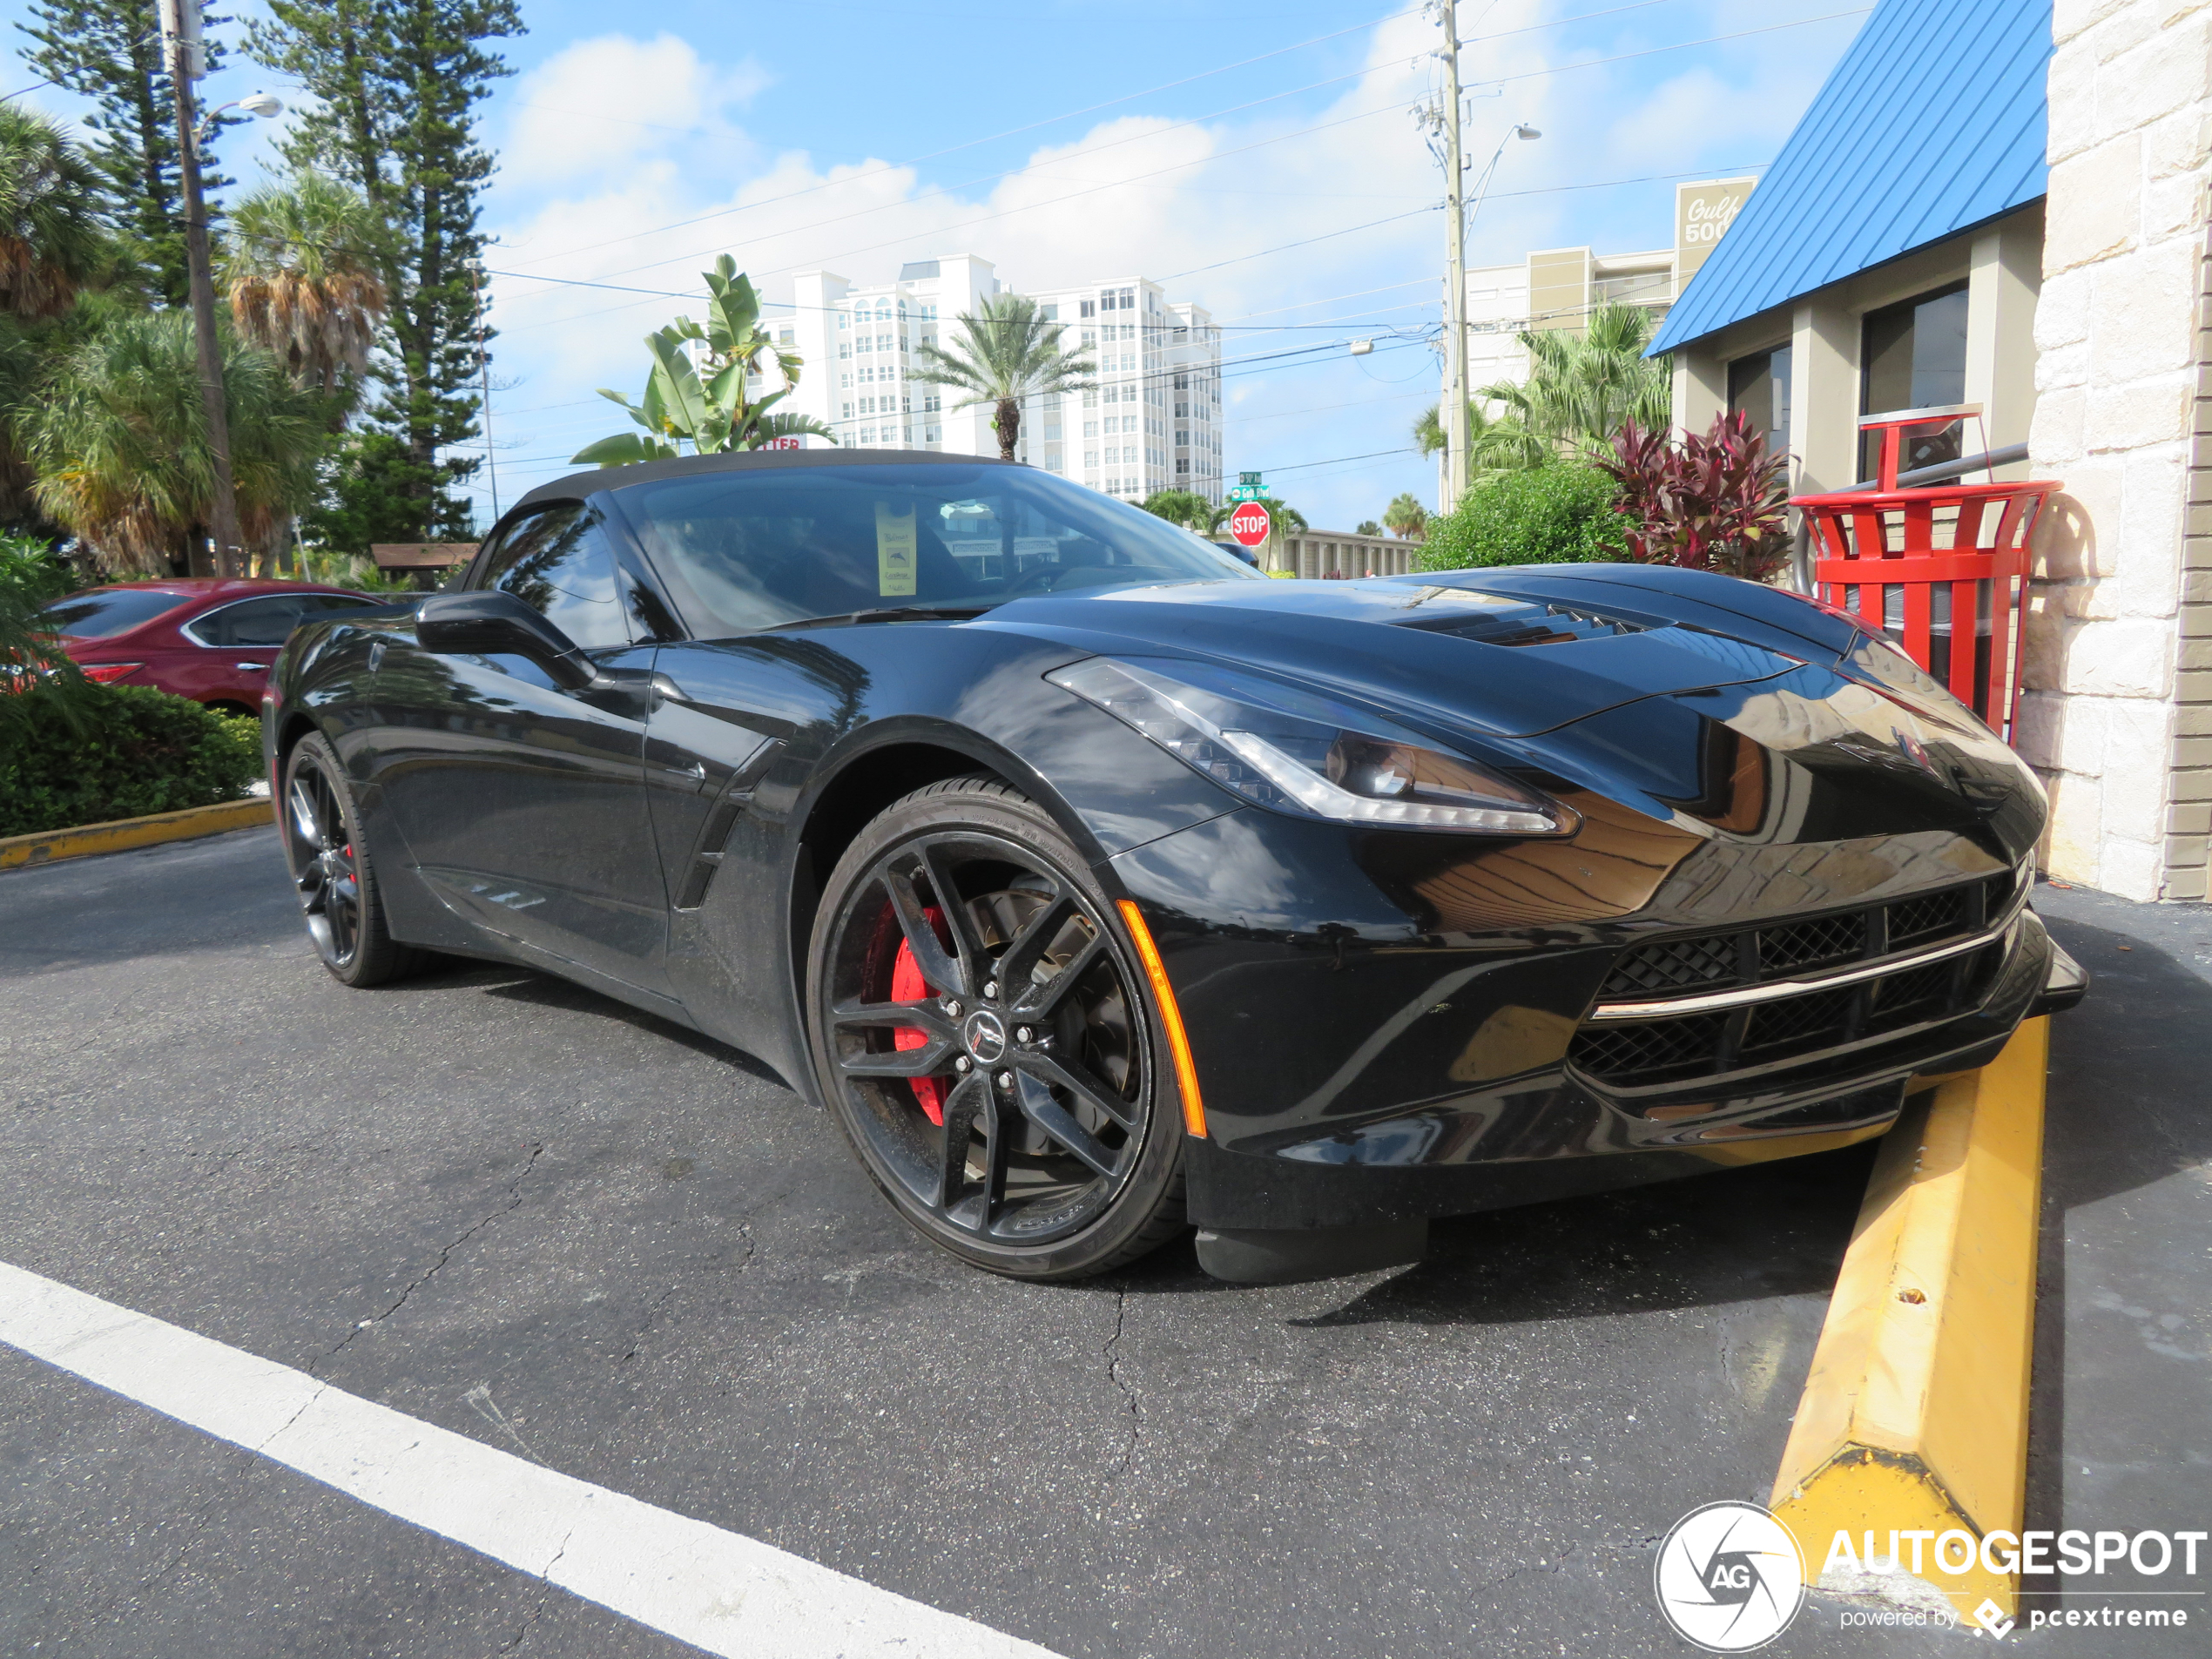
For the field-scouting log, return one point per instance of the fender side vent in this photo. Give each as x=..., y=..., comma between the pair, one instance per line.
x=714, y=836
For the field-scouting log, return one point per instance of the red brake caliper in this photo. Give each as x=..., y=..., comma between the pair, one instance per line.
x=908, y=986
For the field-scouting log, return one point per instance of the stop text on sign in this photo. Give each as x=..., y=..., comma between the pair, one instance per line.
x=1249, y=523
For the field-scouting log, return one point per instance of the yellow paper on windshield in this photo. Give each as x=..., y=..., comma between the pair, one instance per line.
x=894, y=551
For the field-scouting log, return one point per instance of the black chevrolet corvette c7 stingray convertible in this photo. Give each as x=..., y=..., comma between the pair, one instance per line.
x=1099, y=885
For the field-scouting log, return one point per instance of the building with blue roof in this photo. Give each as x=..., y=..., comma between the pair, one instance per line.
x=1891, y=256
x=2008, y=202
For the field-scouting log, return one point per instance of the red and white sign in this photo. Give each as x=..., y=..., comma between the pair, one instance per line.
x=783, y=443
x=1249, y=523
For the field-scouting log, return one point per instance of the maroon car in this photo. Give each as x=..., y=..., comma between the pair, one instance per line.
x=209, y=639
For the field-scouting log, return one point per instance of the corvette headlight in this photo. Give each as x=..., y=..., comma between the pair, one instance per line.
x=1299, y=752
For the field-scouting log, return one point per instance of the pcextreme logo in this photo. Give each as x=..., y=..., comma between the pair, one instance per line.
x=1729, y=1577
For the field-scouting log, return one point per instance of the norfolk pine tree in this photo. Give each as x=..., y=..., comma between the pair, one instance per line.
x=398, y=82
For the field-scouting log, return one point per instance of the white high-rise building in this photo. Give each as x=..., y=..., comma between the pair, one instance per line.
x=1152, y=423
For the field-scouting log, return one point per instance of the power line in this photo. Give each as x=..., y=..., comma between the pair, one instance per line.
x=1051, y=120
x=1093, y=109
x=1296, y=132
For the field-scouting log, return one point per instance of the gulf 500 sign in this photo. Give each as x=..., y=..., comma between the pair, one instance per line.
x=1703, y=213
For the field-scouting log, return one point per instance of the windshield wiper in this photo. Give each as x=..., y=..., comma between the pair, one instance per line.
x=888, y=613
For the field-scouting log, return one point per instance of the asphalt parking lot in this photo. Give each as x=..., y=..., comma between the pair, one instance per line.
x=509, y=1207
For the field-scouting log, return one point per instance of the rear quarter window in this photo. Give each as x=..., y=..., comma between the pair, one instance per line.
x=105, y=612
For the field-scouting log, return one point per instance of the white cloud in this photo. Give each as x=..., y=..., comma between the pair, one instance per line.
x=577, y=115
x=1148, y=195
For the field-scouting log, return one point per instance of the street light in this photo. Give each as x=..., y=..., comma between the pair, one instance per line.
x=265, y=105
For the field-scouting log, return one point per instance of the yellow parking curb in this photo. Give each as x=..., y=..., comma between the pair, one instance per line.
x=1914, y=1418
x=124, y=833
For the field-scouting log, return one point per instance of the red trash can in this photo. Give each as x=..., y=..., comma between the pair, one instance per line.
x=1943, y=571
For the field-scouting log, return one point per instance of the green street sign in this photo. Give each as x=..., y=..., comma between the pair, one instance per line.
x=1247, y=492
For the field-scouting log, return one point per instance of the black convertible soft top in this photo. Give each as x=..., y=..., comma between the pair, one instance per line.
x=591, y=481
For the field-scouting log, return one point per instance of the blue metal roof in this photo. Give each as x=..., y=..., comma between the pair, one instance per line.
x=1934, y=120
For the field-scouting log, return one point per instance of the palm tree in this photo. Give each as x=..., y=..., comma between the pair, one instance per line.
x=1006, y=353
x=1407, y=518
x=1495, y=443
x=119, y=441
x=303, y=270
x=1181, y=507
x=1368, y=526
x=51, y=241
x=1583, y=387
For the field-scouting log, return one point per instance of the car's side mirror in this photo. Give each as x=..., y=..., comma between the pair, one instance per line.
x=493, y=624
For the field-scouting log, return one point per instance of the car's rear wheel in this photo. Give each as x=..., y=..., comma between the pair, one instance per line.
x=331, y=868
x=987, y=1042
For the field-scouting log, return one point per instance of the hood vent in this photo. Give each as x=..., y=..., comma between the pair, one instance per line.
x=1520, y=623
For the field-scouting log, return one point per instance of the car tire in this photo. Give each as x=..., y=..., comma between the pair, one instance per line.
x=333, y=873
x=1052, y=1148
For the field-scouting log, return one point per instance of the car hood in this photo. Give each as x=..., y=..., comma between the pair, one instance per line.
x=1729, y=710
x=1508, y=653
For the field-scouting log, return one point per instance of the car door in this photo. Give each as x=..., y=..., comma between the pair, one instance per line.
x=228, y=651
x=523, y=804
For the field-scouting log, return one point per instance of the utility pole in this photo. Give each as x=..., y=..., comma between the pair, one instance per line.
x=187, y=62
x=483, y=368
x=1456, y=297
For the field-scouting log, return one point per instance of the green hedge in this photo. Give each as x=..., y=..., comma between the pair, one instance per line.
x=1559, y=514
x=129, y=750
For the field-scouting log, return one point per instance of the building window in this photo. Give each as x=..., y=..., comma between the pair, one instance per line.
x=1090, y=457
x=849, y=411
x=931, y=402
x=1087, y=309
x=1912, y=355
x=1758, y=386
x=933, y=434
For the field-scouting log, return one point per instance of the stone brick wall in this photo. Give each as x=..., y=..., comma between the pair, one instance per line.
x=2121, y=405
x=2189, y=814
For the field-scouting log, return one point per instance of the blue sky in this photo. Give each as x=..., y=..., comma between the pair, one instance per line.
x=1067, y=141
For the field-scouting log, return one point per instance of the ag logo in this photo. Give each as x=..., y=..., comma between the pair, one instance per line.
x=1730, y=1577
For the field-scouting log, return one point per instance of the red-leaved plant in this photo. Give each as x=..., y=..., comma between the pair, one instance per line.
x=1711, y=504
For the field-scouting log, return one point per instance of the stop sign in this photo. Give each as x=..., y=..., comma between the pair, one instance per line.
x=1249, y=523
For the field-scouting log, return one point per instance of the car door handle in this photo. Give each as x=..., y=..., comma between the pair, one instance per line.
x=696, y=771
x=253, y=668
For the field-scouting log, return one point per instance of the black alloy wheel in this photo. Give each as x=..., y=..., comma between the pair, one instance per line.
x=330, y=868
x=986, y=1039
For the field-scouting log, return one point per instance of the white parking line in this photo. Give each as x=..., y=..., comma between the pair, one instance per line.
x=715, y=1589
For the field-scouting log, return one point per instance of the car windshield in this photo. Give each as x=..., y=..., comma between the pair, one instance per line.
x=764, y=548
x=106, y=611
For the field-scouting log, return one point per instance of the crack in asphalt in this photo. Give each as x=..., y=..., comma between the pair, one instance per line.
x=545, y=1584
x=1128, y=1459
x=445, y=1255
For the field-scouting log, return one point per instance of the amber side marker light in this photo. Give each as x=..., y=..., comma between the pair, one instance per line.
x=1186, y=1074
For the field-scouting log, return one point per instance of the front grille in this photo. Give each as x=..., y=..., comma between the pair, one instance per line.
x=1642, y=1053
x=1937, y=916
x=1819, y=1021
x=1811, y=944
x=1654, y=1046
x=1675, y=965
x=1715, y=961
